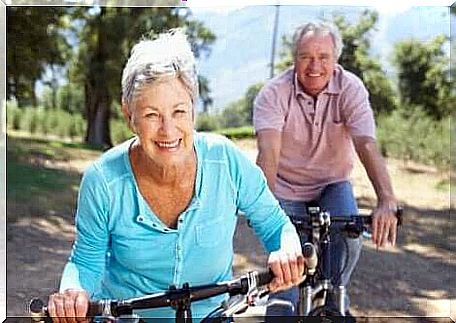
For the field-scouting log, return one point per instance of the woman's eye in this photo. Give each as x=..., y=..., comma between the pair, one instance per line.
x=180, y=112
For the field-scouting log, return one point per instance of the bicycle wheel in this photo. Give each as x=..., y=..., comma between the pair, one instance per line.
x=217, y=316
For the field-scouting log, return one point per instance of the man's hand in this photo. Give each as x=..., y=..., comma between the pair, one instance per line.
x=384, y=224
x=384, y=220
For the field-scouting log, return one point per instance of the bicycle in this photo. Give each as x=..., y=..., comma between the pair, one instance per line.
x=252, y=286
x=315, y=289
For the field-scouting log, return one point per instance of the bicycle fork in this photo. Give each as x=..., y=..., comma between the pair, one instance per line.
x=308, y=295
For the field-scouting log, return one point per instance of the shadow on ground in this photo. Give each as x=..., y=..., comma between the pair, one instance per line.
x=414, y=279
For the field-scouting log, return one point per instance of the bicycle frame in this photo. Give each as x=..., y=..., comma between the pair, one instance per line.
x=313, y=292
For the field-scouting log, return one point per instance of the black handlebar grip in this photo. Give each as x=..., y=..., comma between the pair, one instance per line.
x=264, y=277
x=37, y=309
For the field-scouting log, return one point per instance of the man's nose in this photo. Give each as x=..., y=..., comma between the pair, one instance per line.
x=315, y=63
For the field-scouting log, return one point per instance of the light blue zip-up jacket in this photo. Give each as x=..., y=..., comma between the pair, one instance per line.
x=123, y=250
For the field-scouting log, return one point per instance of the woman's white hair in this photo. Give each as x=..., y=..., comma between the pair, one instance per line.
x=318, y=28
x=169, y=55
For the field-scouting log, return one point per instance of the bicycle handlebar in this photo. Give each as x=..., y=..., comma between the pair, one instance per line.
x=172, y=297
x=351, y=223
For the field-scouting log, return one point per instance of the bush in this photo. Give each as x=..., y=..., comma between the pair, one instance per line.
x=238, y=133
x=45, y=121
x=207, y=122
x=410, y=134
x=13, y=116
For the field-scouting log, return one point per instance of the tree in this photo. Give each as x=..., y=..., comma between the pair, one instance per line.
x=240, y=112
x=34, y=41
x=424, y=75
x=107, y=36
x=355, y=58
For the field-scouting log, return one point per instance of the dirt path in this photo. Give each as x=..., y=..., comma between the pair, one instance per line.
x=414, y=279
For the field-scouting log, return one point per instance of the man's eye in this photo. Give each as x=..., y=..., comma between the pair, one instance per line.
x=152, y=115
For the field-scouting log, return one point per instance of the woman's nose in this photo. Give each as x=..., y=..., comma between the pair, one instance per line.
x=167, y=124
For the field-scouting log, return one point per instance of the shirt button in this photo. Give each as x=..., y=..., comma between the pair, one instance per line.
x=140, y=218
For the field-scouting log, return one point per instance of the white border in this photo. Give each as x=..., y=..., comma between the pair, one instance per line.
x=189, y=3
x=3, y=161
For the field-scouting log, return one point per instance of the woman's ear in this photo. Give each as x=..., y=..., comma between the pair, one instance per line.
x=128, y=116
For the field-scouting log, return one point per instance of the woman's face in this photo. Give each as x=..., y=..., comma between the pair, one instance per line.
x=162, y=118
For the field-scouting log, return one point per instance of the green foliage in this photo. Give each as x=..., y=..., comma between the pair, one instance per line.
x=34, y=42
x=45, y=121
x=424, y=76
x=235, y=115
x=107, y=37
x=120, y=131
x=13, y=117
x=240, y=112
x=207, y=122
x=410, y=134
x=238, y=133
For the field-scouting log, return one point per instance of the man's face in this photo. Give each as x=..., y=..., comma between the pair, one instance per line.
x=315, y=62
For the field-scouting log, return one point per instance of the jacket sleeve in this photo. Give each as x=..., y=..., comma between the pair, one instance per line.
x=87, y=261
x=256, y=201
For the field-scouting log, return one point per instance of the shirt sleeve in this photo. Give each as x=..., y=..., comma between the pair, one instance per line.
x=87, y=261
x=359, y=117
x=267, y=110
x=256, y=201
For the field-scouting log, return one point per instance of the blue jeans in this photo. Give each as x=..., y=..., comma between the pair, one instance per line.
x=338, y=199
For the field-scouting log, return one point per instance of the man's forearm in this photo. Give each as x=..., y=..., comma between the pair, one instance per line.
x=376, y=169
x=269, y=166
x=269, y=144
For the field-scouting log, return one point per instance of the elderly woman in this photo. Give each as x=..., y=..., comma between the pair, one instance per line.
x=161, y=208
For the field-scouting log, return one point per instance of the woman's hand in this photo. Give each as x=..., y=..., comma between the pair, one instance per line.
x=287, y=263
x=288, y=269
x=69, y=306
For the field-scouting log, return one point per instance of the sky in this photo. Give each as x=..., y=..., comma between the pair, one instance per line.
x=383, y=7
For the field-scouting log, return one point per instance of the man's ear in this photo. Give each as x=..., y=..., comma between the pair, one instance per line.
x=128, y=117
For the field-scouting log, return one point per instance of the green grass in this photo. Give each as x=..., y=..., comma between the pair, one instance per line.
x=34, y=186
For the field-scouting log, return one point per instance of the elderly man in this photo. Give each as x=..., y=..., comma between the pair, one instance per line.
x=307, y=120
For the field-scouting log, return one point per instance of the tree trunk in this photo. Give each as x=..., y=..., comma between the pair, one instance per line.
x=98, y=100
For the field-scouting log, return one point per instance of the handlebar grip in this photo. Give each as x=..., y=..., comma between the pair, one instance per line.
x=38, y=310
x=264, y=277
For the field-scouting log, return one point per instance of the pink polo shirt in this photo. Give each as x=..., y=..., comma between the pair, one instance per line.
x=317, y=148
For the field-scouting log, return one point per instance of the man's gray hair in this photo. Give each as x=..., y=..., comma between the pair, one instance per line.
x=169, y=55
x=319, y=28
